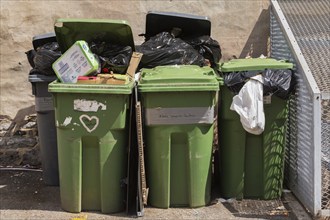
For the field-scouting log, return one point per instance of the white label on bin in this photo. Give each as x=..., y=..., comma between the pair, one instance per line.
x=84, y=105
x=174, y=116
x=89, y=123
x=44, y=104
x=268, y=99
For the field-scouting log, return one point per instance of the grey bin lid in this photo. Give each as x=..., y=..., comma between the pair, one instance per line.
x=41, y=78
x=42, y=39
x=191, y=25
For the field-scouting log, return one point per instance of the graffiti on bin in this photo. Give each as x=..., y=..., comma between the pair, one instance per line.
x=89, y=123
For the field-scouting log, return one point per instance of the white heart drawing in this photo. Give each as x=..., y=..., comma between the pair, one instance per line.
x=89, y=119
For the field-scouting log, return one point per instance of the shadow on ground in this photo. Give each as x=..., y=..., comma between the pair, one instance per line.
x=25, y=190
x=25, y=196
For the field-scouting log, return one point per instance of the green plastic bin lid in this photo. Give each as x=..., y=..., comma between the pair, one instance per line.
x=254, y=64
x=178, y=78
x=58, y=87
x=117, y=32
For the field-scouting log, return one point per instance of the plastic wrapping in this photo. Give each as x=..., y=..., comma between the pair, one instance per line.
x=207, y=47
x=248, y=103
x=275, y=82
x=164, y=49
x=45, y=56
x=112, y=57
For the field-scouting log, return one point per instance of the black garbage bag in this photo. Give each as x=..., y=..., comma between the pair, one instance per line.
x=45, y=56
x=30, y=56
x=207, y=47
x=236, y=80
x=164, y=49
x=276, y=82
x=112, y=57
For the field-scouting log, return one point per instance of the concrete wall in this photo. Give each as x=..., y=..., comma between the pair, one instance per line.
x=241, y=27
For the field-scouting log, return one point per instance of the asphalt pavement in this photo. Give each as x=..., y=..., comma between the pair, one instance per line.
x=23, y=195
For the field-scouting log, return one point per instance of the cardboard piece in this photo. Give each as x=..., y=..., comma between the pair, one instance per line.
x=86, y=80
x=113, y=78
x=134, y=64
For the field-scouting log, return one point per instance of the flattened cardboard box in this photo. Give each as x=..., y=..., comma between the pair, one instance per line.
x=115, y=79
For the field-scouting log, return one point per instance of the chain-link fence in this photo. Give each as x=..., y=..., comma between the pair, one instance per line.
x=300, y=32
x=325, y=154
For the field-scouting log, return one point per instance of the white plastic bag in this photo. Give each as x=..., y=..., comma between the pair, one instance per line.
x=248, y=103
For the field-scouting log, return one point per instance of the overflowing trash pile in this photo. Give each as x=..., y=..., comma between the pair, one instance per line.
x=166, y=48
x=253, y=83
x=99, y=59
x=96, y=91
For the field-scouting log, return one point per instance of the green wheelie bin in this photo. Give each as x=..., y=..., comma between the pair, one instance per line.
x=92, y=126
x=179, y=104
x=252, y=166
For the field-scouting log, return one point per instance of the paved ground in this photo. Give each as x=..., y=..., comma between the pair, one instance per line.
x=24, y=196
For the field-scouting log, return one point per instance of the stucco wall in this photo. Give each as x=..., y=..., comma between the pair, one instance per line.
x=241, y=27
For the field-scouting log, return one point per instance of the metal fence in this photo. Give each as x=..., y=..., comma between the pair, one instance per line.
x=300, y=32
